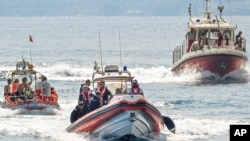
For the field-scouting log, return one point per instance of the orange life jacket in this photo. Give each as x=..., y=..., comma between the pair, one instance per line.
x=103, y=91
x=14, y=87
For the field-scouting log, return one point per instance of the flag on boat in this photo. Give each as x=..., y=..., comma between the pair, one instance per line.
x=30, y=37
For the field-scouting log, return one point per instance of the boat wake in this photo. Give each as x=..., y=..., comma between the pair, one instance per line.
x=162, y=74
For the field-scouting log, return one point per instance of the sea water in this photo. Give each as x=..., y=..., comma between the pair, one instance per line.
x=65, y=48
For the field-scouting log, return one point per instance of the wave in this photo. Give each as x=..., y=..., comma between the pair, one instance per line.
x=153, y=74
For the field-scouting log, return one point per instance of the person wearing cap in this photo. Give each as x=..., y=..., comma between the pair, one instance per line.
x=105, y=93
x=84, y=95
x=79, y=111
x=135, y=88
x=87, y=83
x=190, y=36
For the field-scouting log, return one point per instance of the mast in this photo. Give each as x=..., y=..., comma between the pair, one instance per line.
x=189, y=11
x=120, y=50
x=100, y=49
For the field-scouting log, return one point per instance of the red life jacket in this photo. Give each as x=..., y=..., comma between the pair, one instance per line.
x=103, y=91
x=135, y=90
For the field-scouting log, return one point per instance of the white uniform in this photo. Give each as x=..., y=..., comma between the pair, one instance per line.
x=46, y=89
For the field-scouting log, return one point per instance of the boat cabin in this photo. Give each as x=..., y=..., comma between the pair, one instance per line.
x=116, y=80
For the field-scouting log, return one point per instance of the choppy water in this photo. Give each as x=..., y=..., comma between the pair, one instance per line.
x=65, y=49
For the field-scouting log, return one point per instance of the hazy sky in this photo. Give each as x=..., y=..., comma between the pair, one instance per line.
x=116, y=7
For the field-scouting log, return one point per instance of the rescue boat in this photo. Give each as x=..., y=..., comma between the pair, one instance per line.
x=126, y=116
x=214, y=47
x=33, y=100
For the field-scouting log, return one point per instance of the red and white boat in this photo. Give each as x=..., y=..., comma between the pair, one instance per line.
x=34, y=100
x=126, y=116
x=214, y=46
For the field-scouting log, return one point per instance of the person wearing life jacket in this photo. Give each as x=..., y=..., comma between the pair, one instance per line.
x=14, y=85
x=54, y=95
x=105, y=93
x=135, y=88
x=79, y=111
x=87, y=83
x=84, y=95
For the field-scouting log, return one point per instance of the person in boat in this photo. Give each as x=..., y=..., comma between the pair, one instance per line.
x=220, y=38
x=84, y=95
x=135, y=88
x=239, y=39
x=190, y=36
x=38, y=85
x=46, y=89
x=79, y=111
x=105, y=93
x=24, y=88
x=7, y=89
x=95, y=101
x=14, y=85
x=87, y=83
x=54, y=96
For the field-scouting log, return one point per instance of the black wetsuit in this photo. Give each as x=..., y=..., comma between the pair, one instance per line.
x=94, y=102
x=78, y=113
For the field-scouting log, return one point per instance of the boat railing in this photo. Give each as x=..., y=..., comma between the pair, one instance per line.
x=179, y=51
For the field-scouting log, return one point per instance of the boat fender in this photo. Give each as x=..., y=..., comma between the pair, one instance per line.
x=169, y=123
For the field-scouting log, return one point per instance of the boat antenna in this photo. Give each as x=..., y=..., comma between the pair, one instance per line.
x=189, y=11
x=207, y=4
x=100, y=49
x=120, y=49
x=220, y=8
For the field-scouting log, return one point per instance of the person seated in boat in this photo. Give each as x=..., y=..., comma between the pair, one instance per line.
x=46, y=89
x=14, y=85
x=95, y=101
x=239, y=39
x=135, y=88
x=79, y=111
x=87, y=83
x=23, y=88
x=190, y=36
x=38, y=86
x=84, y=96
x=7, y=90
x=54, y=96
x=29, y=94
x=105, y=93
